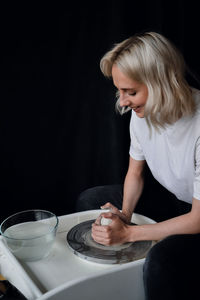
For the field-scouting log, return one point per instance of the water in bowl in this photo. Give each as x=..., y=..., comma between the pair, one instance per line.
x=31, y=240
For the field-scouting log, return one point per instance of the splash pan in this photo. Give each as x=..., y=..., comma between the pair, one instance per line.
x=81, y=243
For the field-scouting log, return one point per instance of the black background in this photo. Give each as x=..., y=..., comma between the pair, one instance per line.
x=59, y=130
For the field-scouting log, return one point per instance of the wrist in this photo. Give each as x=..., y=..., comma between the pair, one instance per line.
x=127, y=216
x=134, y=233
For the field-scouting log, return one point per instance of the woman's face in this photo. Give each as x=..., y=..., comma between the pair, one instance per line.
x=132, y=93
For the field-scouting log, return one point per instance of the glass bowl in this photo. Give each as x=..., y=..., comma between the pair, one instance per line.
x=30, y=234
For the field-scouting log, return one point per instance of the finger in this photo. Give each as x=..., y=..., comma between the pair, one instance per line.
x=99, y=234
x=108, y=205
x=110, y=215
x=113, y=209
x=98, y=220
x=100, y=238
x=104, y=242
x=107, y=215
x=98, y=228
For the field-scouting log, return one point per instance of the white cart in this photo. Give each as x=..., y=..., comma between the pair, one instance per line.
x=63, y=275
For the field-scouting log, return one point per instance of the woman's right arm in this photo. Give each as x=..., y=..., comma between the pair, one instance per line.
x=133, y=186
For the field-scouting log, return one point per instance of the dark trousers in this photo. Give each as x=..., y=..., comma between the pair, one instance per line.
x=172, y=266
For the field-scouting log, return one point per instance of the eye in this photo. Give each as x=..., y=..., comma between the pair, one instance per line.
x=132, y=94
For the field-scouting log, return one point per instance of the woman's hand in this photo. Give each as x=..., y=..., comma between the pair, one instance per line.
x=117, y=212
x=115, y=233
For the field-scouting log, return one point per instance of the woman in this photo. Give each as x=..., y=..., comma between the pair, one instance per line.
x=148, y=72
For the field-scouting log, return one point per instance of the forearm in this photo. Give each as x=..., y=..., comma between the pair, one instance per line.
x=133, y=186
x=184, y=224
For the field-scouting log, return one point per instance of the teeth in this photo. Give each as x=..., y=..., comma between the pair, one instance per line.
x=135, y=107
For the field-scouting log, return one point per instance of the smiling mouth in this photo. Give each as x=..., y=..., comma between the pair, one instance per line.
x=136, y=108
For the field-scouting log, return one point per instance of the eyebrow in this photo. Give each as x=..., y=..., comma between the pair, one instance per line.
x=127, y=89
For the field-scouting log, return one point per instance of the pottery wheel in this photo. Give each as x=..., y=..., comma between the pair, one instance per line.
x=81, y=243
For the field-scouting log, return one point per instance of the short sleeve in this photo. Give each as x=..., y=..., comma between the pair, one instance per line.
x=135, y=147
x=196, y=193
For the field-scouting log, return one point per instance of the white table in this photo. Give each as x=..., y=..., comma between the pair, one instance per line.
x=62, y=271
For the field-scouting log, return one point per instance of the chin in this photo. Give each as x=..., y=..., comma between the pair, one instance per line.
x=140, y=115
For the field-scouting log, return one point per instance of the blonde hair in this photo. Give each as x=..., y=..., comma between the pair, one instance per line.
x=153, y=60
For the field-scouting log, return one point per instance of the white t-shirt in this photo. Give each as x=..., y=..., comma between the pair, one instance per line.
x=173, y=154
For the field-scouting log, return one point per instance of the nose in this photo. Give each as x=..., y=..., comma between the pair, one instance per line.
x=123, y=100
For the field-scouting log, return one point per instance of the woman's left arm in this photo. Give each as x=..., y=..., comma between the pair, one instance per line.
x=119, y=232
x=188, y=223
